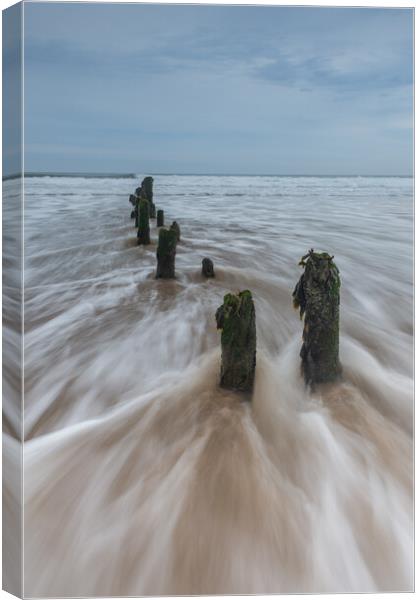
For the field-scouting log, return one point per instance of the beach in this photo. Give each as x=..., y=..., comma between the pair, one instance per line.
x=141, y=475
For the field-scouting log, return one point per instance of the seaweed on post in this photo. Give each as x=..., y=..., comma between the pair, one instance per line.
x=317, y=295
x=236, y=318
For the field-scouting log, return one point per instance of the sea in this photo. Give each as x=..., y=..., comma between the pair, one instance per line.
x=141, y=476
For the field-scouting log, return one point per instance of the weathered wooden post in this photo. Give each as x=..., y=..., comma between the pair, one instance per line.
x=160, y=218
x=143, y=234
x=317, y=294
x=236, y=319
x=175, y=227
x=165, y=254
x=152, y=210
x=136, y=213
x=207, y=269
x=146, y=191
x=147, y=188
x=133, y=201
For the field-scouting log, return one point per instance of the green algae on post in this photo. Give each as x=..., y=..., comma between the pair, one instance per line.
x=236, y=318
x=143, y=234
x=165, y=254
x=317, y=295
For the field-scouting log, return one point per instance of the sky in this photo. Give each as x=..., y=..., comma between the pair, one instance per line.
x=12, y=90
x=218, y=89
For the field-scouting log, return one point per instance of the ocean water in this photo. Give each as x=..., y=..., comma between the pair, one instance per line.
x=142, y=476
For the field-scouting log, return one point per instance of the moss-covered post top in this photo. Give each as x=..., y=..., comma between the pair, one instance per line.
x=231, y=306
x=317, y=295
x=322, y=272
x=167, y=240
x=236, y=318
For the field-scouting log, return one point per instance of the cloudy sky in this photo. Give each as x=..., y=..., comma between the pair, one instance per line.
x=217, y=89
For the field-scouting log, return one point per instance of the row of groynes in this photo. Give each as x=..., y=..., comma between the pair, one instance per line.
x=316, y=295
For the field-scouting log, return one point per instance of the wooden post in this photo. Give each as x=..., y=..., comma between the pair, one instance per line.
x=152, y=210
x=160, y=218
x=317, y=294
x=147, y=188
x=143, y=234
x=177, y=230
x=165, y=254
x=236, y=319
x=207, y=269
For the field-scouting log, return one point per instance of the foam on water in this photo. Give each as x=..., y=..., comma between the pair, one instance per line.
x=141, y=475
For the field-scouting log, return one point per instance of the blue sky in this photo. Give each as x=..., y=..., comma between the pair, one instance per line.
x=12, y=90
x=217, y=89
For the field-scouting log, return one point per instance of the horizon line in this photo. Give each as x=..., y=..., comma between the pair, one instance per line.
x=93, y=174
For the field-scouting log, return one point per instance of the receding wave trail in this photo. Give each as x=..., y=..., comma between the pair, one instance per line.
x=142, y=476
